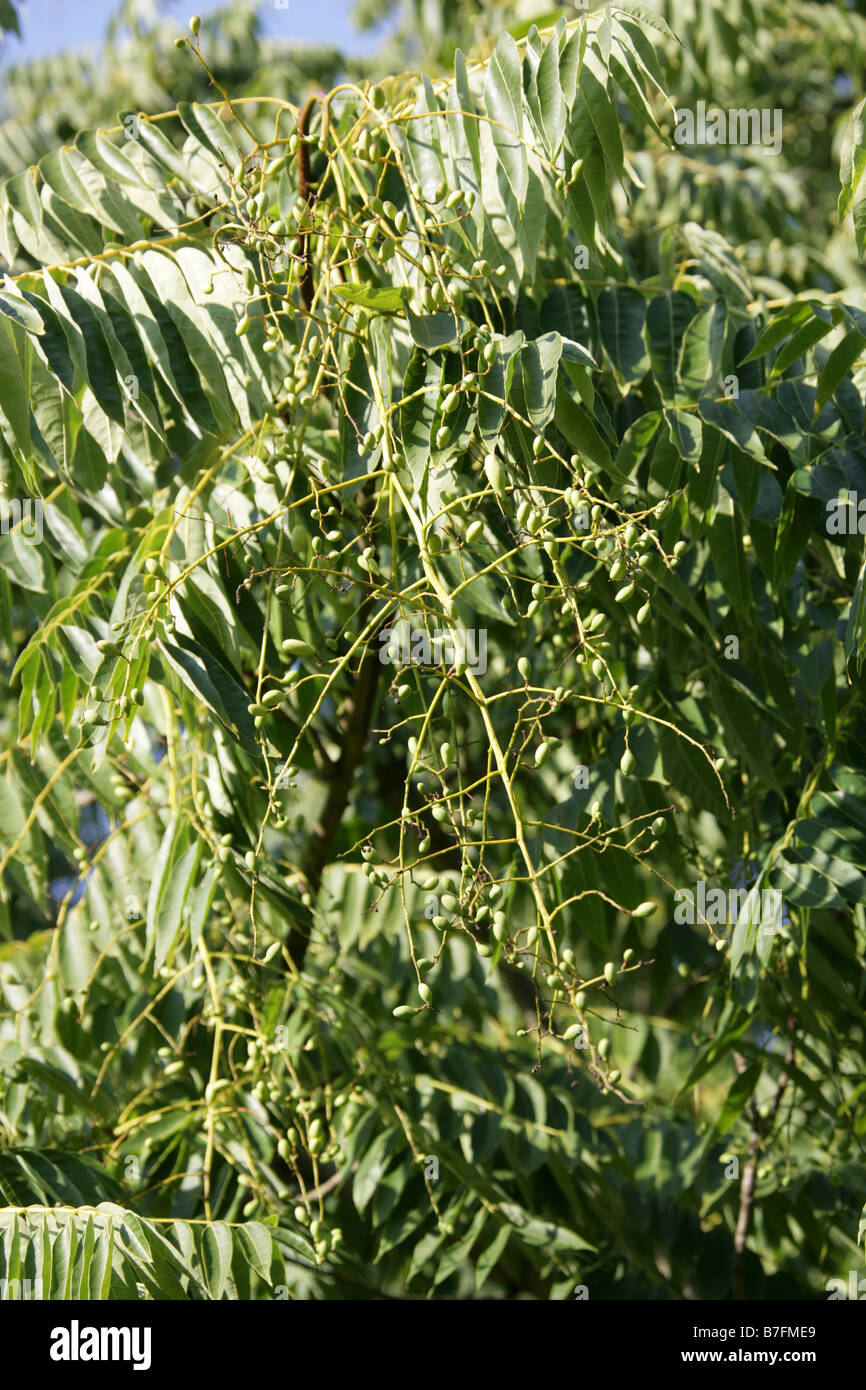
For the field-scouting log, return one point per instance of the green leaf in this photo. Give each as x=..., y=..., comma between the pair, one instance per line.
x=540, y=360
x=216, y=1257
x=379, y=299
x=503, y=95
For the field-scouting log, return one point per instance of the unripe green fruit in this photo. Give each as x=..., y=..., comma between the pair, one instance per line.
x=580, y=1000
x=295, y=646
x=625, y=593
x=627, y=763
x=645, y=909
x=473, y=531
x=610, y=972
x=195, y=24
x=614, y=1076
x=524, y=667
x=604, y=1047
x=541, y=753
x=425, y=993
x=659, y=826
x=643, y=614
x=495, y=474
x=572, y=1031
x=627, y=955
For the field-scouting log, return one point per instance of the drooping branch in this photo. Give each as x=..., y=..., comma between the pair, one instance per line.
x=355, y=727
x=306, y=285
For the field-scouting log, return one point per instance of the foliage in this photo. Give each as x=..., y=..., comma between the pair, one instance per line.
x=339, y=964
x=46, y=102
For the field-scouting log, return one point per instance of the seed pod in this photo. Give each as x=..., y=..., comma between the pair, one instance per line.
x=659, y=826
x=273, y=698
x=174, y=1068
x=627, y=763
x=449, y=902
x=295, y=646
x=625, y=593
x=604, y=1047
x=538, y=446
x=541, y=753
x=614, y=1076
x=580, y=1000
x=572, y=1031
x=610, y=972
x=195, y=24
x=474, y=530
x=425, y=993
x=424, y=845
x=645, y=909
x=272, y=951
x=402, y=1011
x=643, y=614
x=524, y=667
x=495, y=474
x=532, y=936
x=627, y=955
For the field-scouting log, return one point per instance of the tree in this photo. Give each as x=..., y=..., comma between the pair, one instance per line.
x=433, y=813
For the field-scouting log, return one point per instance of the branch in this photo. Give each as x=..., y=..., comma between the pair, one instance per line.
x=356, y=724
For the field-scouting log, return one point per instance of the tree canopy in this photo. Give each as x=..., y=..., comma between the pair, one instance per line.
x=432, y=605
